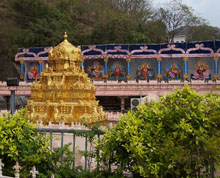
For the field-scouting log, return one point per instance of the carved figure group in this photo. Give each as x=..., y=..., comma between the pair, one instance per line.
x=173, y=71
x=96, y=71
x=33, y=74
x=144, y=71
x=201, y=71
x=117, y=70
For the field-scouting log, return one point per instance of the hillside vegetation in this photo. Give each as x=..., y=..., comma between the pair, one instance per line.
x=40, y=23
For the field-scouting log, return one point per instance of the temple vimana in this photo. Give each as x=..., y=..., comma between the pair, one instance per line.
x=64, y=92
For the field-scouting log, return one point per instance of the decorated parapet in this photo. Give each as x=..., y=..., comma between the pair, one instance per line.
x=64, y=92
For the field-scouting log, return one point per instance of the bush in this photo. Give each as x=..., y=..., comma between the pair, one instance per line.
x=179, y=136
x=20, y=142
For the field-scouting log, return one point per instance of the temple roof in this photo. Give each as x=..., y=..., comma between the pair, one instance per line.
x=65, y=51
x=64, y=92
x=192, y=49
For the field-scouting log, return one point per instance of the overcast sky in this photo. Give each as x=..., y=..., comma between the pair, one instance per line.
x=207, y=9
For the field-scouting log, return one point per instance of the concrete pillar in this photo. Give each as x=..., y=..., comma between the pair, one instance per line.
x=186, y=74
x=216, y=75
x=159, y=75
x=106, y=68
x=22, y=70
x=122, y=103
x=128, y=60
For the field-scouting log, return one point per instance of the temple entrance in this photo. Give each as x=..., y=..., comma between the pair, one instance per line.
x=115, y=104
x=110, y=103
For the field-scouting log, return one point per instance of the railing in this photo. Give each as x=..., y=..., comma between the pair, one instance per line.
x=75, y=134
x=61, y=132
x=17, y=169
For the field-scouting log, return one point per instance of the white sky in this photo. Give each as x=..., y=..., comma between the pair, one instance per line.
x=207, y=9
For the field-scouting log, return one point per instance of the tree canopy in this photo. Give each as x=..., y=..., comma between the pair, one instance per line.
x=177, y=15
x=176, y=137
x=19, y=141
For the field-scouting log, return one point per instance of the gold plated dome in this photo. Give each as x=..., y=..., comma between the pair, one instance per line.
x=65, y=55
x=64, y=92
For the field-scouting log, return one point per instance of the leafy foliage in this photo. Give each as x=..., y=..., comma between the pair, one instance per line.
x=19, y=141
x=61, y=161
x=175, y=137
x=177, y=15
x=202, y=33
x=65, y=169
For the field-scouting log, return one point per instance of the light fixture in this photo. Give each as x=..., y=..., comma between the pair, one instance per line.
x=12, y=84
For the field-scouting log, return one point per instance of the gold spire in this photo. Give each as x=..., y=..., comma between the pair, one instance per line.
x=64, y=92
x=65, y=36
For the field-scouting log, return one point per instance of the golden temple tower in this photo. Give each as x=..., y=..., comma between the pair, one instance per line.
x=64, y=92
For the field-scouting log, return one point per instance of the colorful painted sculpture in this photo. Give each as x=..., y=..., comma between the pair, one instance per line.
x=173, y=71
x=34, y=73
x=64, y=92
x=201, y=71
x=117, y=70
x=89, y=71
x=96, y=72
x=139, y=72
x=144, y=71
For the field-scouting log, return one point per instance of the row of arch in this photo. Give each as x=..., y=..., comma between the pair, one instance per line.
x=119, y=52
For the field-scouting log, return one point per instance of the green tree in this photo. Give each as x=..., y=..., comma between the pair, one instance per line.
x=202, y=33
x=176, y=137
x=177, y=15
x=19, y=141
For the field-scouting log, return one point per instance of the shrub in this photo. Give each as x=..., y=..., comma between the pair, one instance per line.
x=20, y=142
x=179, y=136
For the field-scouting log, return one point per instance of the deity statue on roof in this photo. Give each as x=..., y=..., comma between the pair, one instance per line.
x=33, y=74
x=139, y=72
x=144, y=71
x=201, y=71
x=117, y=70
x=173, y=71
x=96, y=71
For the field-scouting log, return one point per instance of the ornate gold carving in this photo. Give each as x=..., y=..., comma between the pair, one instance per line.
x=128, y=76
x=159, y=59
x=186, y=76
x=22, y=62
x=64, y=92
x=216, y=76
x=128, y=59
x=106, y=59
x=159, y=76
x=185, y=58
x=215, y=58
